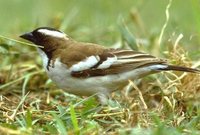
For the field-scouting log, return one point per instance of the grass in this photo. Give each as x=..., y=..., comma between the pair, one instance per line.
x=165, y=103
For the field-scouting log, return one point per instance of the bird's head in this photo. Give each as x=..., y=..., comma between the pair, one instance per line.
x=47, y=37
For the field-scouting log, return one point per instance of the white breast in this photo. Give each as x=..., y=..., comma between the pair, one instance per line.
x=60, y=74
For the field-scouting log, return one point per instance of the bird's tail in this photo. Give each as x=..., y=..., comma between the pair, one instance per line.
x=180, y=68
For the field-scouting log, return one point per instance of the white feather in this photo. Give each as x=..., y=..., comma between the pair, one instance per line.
x=86, y=64
x=107, y=63
x=122, y=61
x=155, y=67
x=43, y=56
x=52, y=33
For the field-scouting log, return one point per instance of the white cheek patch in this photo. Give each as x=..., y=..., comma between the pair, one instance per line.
x=52, y=33
x=106, y=64
x=86, y=64
x=44, y=57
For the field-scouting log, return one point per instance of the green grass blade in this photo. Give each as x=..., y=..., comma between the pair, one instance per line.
x=74, y=119
x=59, y=125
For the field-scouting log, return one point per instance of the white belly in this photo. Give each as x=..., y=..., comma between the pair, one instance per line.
x=89, y=86
x=61, y=75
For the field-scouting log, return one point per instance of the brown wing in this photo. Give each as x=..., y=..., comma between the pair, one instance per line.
x=77, y=51
x=123, y=61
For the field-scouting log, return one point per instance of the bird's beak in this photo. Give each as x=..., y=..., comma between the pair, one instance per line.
x=28, y=36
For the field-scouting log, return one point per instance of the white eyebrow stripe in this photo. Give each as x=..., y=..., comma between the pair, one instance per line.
x=52, y=33
x=86, y=64
x=106, y=64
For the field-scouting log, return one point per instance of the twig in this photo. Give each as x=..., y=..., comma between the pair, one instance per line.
x=140, y=94
x=19, y=79
x=24, y=43
x=166, y=22
x=15, y=111
x=107, y=114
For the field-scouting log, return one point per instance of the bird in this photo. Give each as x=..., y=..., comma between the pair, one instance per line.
x=85, y=69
